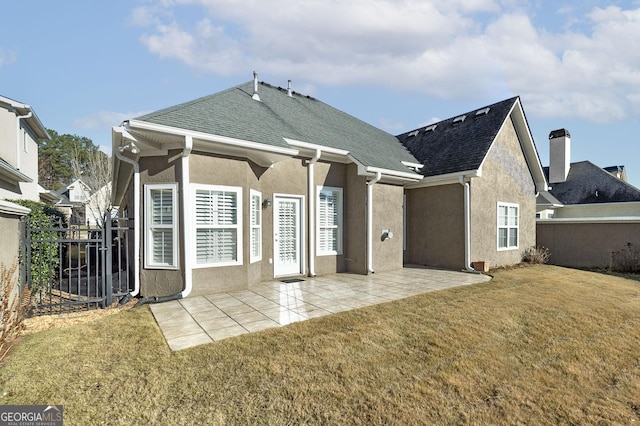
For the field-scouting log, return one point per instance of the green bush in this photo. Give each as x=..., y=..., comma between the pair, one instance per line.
x=45, y=222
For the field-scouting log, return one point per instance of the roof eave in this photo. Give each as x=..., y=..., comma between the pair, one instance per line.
x=446, y=179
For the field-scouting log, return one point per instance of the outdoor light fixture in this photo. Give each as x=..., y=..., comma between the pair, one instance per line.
x=266, y=203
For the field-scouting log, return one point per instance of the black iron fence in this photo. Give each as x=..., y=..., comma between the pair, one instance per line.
x=71, y=268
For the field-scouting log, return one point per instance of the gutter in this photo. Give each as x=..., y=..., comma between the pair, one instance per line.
x=312, y=212
x=18, y=118
x=186, y=209
x=467, y=226
x=370, y=221
x=136, y=210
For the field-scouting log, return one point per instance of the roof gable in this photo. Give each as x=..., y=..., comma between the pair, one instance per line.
x=589, y=184
x=233, y=113
x=459, y=143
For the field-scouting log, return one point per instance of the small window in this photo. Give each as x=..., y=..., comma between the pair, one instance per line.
x=161, y=226
x=256, y=225
x=218, y=225
x=329, y=214
x=508, y=231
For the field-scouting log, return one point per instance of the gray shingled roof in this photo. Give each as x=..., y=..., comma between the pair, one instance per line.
x=233, y=113
x=588, y=184
x=457, y=146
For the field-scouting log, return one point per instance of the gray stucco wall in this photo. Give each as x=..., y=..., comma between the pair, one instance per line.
x=435, y=226
x=387, y=215
x=586, y=244
x=505, y=178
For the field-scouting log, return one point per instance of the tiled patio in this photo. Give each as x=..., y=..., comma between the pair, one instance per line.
x=204, y=319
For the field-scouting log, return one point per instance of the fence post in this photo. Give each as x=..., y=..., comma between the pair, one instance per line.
x=107, y=239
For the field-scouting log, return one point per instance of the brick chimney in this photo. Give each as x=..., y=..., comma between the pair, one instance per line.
x=559, y=155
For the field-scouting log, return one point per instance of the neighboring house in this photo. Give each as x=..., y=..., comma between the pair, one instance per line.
x=20, y=129
x=258, y=183
x=477, y=198
x=588, y=213
x=81, y=206
x=73, y=199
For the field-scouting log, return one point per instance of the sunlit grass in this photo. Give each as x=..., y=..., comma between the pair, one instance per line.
x=536, y=345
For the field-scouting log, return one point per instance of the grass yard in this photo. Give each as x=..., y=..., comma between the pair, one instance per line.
x=536, y=345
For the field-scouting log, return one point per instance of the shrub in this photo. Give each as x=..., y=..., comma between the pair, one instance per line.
x=626, y=260
x=536, y=255
x=44, y=222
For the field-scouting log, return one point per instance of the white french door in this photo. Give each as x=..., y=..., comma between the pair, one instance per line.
x=287, y=235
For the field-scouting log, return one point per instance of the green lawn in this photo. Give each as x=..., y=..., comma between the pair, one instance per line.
x=536, y=345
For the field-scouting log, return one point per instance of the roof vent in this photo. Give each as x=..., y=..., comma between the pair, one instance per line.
x=289, y=92
x=414, y=133
x=459, y=119
x=483, y=111
x=255, y=87
x=430, y=128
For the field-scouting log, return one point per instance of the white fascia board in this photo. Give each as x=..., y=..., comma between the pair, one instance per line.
x=14, y=174
x=222, y=140
x=529, y=148
x=605, y=220
x=621, y=203
x=413, y=165
x=449, y=178
x=315, y=147
x=394, y=173
x=7, y=207
x=39, y=127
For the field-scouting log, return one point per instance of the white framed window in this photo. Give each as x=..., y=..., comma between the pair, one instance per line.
x=161, y=226
x=255, y=203
x=508, y=221
x=329, y=221
x=218, y=225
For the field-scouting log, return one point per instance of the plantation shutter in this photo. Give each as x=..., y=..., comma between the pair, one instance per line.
x=329, y=220
x=256, y=226
x=161, y=226
x=216, y=226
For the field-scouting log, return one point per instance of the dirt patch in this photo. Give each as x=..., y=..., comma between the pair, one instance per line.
x=47, y=322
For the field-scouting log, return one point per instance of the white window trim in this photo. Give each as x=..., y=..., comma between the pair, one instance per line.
x=237, y=226
x=148, y=256
x=253, y=193
x=499, y=226
x=339, y=226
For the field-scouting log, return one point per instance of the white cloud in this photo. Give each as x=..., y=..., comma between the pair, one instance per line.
x=104, y=120
x=7, y=57
x=482, y=49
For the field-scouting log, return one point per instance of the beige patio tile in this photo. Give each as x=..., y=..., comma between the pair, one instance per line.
x=260, y=325
x=247, y=317
x=188, y=341
x=196, y=304
x=237, y=309
x=223, y=333
x=216, y=323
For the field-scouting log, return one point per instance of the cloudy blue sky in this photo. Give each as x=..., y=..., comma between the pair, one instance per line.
x=85, y=66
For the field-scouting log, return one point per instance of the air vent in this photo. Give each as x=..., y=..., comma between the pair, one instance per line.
x=483, y=111
x=430, y=128
x=414, y=133
x=459, y=119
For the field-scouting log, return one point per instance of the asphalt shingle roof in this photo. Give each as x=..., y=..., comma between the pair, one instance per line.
x=233, y=113
x=456, y=146
x=588, y=184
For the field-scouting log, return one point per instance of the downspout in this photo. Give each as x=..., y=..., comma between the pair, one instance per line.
x=186, y=208
x=18, y=118
x=467, y=226
x=136, y=220
x=312, y=212
x=370, y=221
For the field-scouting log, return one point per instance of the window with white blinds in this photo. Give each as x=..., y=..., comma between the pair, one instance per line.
x=161, y=226
x=255, y=200
x=218, y=225
x=329, y=220
x=508, y=218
